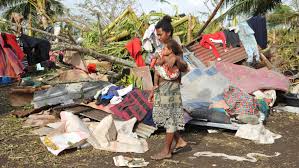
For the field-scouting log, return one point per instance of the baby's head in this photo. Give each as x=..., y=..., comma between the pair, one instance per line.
x=172, y=47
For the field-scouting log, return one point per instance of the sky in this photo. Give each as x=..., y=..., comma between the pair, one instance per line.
x=184, y=6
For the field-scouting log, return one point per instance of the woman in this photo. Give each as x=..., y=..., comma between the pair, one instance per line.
x=167, y=111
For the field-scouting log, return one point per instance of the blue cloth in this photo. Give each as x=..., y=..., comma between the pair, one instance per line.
x=246, y=35
x=148, y=119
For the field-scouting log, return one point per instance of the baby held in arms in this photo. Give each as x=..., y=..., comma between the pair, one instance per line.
x=168, y=64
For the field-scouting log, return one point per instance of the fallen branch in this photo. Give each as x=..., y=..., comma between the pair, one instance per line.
x=37, y=30
x=97, y=55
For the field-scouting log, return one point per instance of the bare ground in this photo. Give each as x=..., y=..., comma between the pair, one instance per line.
x=19, y=148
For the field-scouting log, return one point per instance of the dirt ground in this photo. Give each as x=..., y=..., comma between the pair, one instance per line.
x=19, y=148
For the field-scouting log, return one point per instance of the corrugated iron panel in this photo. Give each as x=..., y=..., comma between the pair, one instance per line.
x=233, y=55
x=97, y=115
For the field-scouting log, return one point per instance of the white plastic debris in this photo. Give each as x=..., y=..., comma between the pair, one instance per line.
x=249, y=157
x=129, y=162
x=257, y=133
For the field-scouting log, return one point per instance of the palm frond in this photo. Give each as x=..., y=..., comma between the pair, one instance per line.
x=20, y=8
x=249, y=7
x=10, y=3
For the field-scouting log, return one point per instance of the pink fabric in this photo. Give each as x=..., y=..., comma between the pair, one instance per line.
x=250, y=80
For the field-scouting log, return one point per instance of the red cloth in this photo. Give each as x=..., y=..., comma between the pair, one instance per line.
x=134, y=48
x=92, y=68
x=10, y=65
x=135, y=104
x=12, y=41
x=206, y=42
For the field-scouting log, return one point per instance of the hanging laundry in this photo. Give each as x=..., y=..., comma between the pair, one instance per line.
x=258, y=25
x=134, y=48
x=37, y=50
x=11, y=40
x=134, y=105
x=206, y=42
x=10, y=65
x=232, y=39
x=246, y=35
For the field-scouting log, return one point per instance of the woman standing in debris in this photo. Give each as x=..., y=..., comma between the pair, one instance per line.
x=166, y=96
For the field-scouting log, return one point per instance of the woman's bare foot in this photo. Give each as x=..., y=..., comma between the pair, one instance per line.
x=180, y=143
x=164, y=154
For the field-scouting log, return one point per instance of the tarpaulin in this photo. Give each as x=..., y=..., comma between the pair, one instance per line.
x=250, y=80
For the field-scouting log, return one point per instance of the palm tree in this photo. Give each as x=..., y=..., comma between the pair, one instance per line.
x=249, y=7
x=47, y=8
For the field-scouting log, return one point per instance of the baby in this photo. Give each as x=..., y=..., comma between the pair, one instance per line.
x=168, y=65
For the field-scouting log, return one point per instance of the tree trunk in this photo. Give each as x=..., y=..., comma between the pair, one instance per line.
x=101, y=37
x=211, y=17
x=97, y=55
x=30, y=22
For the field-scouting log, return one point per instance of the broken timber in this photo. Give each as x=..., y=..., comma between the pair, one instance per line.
x=97, y=55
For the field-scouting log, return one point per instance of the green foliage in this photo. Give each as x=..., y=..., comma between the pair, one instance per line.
x=248, y=7
x=53, y=7
x=131, y=80
x=287, y=45
x=283, y=14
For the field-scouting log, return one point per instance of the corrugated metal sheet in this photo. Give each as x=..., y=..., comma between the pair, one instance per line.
x=233, y=55
x=97, y=115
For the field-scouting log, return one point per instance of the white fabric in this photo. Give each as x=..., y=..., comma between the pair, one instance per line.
x=148, y=32
x=125, y=91
x=39, y=67
x=249, y=157
x=257, y=133
x=147, y=45
x=269, y=94
x=116, y=100
x=216, y=41
x=103, y=91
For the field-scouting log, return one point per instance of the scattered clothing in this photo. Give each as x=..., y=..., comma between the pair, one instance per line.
x=206, y=42
x=232, y=39
x=11, y=41
x=37, y=50
x=239, y=102
x=251, y=80
x=258, y=25
x=134, y=48
x=10, y=65
x=246, y=35
x=135, y=104
x=257, y=133
x=250, y=156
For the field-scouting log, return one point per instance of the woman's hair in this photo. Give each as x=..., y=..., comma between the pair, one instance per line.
x=178, y=52
x=165, y=24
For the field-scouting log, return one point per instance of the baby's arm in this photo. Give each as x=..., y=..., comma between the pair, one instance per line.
x=160, y=61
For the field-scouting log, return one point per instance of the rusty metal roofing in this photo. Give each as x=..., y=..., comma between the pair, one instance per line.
x=205, y=55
